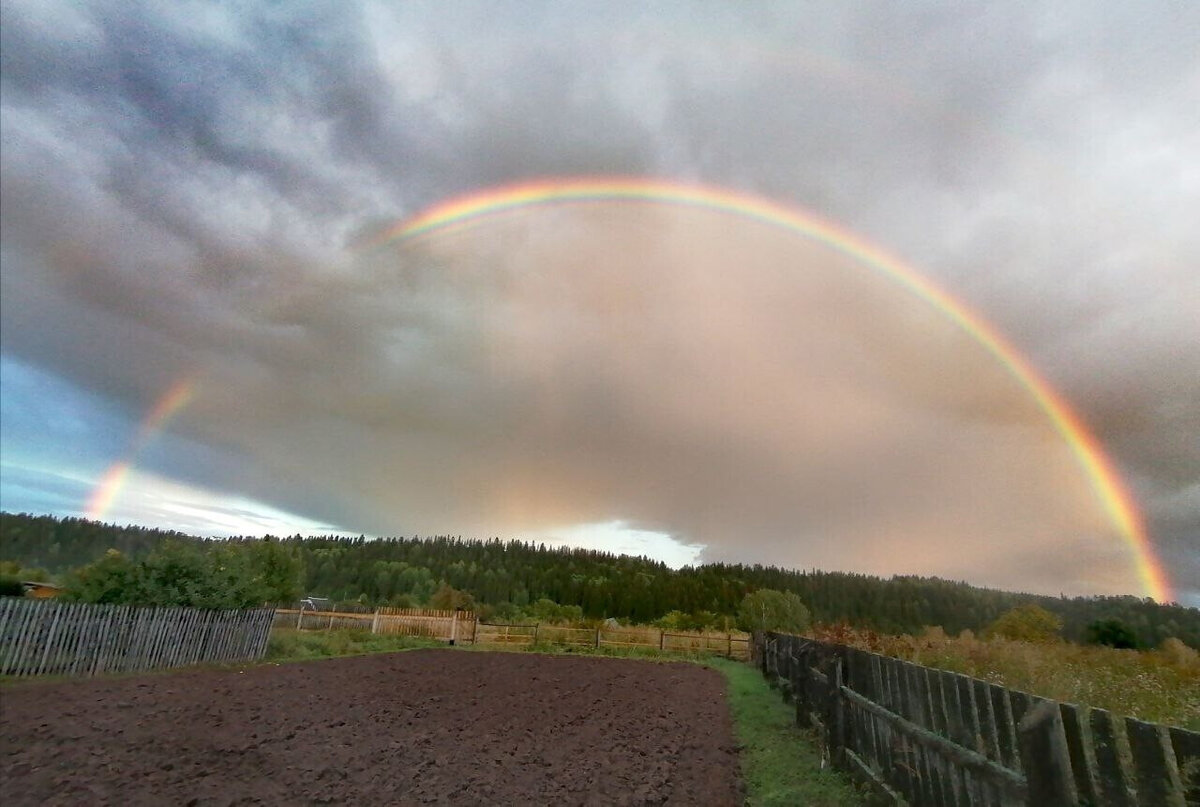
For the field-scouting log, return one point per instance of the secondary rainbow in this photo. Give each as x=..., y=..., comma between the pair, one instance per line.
x=1116, y=499
x=174, y=399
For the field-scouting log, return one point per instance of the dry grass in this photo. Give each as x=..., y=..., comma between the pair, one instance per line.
x=1161, y=686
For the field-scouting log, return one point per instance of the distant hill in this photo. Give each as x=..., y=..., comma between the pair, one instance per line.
x=495, y=572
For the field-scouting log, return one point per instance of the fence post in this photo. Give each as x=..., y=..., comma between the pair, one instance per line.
x=375, y=622
x=837, y=727
x=454, y=627
x=597, y=637
x=300, y=617
x=1045, y=756
x=661, y=639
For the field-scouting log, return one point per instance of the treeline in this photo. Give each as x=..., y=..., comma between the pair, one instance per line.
x=409, y=571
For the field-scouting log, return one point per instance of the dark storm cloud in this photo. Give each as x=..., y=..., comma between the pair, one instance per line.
x=181, y=184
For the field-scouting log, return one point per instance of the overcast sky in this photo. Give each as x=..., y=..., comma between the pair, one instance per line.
x=187, y=189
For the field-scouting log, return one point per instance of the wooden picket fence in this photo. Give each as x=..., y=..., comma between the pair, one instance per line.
x=921, y=736
x=46, y=637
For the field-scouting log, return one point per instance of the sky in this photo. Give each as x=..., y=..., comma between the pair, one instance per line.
x=205, y=325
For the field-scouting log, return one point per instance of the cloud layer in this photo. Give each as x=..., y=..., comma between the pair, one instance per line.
x=184, y=190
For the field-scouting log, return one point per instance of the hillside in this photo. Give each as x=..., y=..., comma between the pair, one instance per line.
x=408, y=570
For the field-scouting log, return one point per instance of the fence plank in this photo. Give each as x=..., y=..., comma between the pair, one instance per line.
x=925, y=792
x=898, y=701
x=26, y=627
x=1187, y=759
x=1006, y=728
x=1111, y=773
x=1044, y=756
x=970, y=714
x=80, y=624
x=956, y=730
x=1079, y=746
x=1020, y=703
x=51, y=617
x=986, y=721
x=1154, y=761
x=103, y=625
x=917, y=712
x=940, y=723
x=7, y=607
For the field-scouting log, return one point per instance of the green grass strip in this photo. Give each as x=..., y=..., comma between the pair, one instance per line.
x=780, y=763
x=287, y=644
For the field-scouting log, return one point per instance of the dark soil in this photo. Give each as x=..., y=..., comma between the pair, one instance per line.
x=407, y=728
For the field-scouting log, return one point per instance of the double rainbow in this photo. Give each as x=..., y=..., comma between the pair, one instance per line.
x=1116, y=499
x=114, y=479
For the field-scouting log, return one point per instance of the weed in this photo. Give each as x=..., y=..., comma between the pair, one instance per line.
x=1159, y=686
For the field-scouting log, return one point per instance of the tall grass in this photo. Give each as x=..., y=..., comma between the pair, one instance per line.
x=1160, y=686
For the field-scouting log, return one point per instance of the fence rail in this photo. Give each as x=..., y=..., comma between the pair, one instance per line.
x=922, y=736
x=45, y=637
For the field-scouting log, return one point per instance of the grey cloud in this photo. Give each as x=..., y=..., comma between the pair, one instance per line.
x=180, y=193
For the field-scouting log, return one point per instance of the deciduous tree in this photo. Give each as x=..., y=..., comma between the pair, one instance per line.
x=767, y=609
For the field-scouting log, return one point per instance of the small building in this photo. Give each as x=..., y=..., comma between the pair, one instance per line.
x=40, y=591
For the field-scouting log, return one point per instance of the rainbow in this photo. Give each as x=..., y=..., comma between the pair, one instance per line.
x=1116, y=499
x=115, y=478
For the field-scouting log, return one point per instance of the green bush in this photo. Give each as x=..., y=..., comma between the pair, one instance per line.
x=216, y=575
x=1113, y=633
x=767, y=609
x=1027, y=623
x=11, y=587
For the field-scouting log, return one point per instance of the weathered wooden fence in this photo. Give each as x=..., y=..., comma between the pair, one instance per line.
x=456, y=626
x=931, y=737
x=726, y=644
x=46, y=637
x=463, y=627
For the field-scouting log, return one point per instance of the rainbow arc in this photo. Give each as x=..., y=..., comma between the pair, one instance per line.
x=1118, y=503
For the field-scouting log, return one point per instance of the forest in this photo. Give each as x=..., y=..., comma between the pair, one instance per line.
x=499, y=576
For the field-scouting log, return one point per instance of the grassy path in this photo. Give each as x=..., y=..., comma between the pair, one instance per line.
x=780, y=764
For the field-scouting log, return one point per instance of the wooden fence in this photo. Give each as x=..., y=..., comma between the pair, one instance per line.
x=463, y=627
x=731, y=645
x=46, y=637
x=922, y=736
x=451, y=626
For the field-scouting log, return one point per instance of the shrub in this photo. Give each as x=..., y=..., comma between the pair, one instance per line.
x=1027, y=623
x=448, y=598
x=11, y=587
x=767, y=609
x=1111, y=632
x=1179, y=653
x=217, y=575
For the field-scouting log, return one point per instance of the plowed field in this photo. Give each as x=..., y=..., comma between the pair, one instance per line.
x=407, y=728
